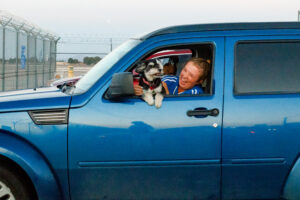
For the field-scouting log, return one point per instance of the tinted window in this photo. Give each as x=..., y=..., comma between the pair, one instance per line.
x=267, y=68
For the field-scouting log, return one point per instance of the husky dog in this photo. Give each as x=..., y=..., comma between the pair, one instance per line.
x=150, y=80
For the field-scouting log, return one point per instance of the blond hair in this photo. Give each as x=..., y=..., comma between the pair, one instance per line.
x=202, y=64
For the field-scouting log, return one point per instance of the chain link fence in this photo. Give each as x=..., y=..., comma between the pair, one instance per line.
x=27, y=54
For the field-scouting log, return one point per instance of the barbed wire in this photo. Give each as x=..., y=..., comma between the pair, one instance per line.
x=90, y=39
x=93, y=35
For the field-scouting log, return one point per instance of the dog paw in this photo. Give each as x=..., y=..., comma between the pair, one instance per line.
x=158, y=100
x=158, y=104
x=150, y=103
x=148, y=99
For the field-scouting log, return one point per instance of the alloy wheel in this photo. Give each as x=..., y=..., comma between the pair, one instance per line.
x=5, y=192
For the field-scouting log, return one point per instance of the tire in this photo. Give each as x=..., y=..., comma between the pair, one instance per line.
x=13, y=186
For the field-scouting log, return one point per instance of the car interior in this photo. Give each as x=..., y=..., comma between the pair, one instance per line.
x=175, y=58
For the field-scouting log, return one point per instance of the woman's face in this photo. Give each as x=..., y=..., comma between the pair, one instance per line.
x=189, y=76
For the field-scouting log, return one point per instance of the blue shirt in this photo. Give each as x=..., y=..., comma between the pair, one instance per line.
x=172, y=83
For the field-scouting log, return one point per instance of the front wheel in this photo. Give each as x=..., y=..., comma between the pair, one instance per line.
x=13, y=186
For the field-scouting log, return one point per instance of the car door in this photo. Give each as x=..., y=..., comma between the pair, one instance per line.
x=130, y=150
x=261, y=115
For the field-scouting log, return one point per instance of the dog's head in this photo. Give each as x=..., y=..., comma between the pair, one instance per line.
x=152, y=69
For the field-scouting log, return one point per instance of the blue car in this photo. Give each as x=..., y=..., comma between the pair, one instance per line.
x=239, y=139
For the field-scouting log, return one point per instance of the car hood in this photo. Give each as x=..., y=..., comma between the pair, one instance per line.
x=33, y=99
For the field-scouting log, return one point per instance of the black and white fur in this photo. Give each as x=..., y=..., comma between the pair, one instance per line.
x=150, y=80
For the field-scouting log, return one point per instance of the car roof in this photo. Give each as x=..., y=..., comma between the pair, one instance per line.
x=223, y=27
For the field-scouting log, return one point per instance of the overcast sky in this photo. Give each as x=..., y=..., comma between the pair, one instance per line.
x=125, y=18
x=132, y=17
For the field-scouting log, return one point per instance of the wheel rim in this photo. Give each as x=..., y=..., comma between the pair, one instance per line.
x=5, y=192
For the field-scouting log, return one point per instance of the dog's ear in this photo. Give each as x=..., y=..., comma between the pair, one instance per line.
x=140, y=67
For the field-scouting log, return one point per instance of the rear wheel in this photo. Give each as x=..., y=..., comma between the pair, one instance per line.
x=12, y=186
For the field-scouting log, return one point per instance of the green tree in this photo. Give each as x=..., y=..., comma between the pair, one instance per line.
x=91, y=60
x=87, y=60
x=71, y=60
x=97, y=59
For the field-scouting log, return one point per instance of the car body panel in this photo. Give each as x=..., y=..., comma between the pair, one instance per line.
x=291, y=189
x=32, y=99
x=260, y=137
x=124, y=143
x=40, y=150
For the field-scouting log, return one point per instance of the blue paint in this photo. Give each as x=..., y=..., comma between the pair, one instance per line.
x=260, y=127
x=136, y=136
x=31, y=99
x=40, y=150
x=291, y=189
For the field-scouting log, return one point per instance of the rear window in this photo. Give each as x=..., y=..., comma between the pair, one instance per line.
x=267, y=67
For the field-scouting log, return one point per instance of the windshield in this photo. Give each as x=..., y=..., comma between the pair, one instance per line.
x=103, y=66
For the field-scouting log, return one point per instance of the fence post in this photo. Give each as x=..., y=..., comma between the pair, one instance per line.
x=44, y=58
x=51, y=60
x=27, y=55
x=17, y=54
x=3, y=59
x=35, y=59
x=55, y=47
x=17, y=59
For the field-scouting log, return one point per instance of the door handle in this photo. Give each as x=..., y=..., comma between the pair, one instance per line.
x=203, y=112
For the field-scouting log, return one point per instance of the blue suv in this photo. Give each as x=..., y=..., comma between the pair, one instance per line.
x=97, y=140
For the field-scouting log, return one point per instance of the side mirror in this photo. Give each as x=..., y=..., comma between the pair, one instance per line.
x=121, y=86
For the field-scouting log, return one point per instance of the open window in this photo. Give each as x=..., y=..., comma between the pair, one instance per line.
x=174, y=59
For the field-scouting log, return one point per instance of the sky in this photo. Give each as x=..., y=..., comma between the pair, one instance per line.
x=126, y=18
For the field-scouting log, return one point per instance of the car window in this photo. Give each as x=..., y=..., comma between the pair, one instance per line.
x=174, y=61
x=267, y=68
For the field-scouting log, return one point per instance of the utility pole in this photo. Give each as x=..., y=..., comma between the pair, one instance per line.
x=110, y=44
x=298, y=15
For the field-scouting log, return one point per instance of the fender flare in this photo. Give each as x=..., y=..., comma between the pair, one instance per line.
x=33, y=163
x=291, y=190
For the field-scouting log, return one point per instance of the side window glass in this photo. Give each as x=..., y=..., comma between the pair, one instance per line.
x=267, y=68
x=187, y=70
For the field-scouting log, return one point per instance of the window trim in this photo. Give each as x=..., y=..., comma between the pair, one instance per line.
x=277, y=41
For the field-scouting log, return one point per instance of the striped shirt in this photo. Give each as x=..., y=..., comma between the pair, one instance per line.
x=172, y=83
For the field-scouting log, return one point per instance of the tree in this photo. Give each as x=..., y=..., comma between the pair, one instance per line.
x=71, y=60
x=87, y=60
x=97, y=59
x=91, y=60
